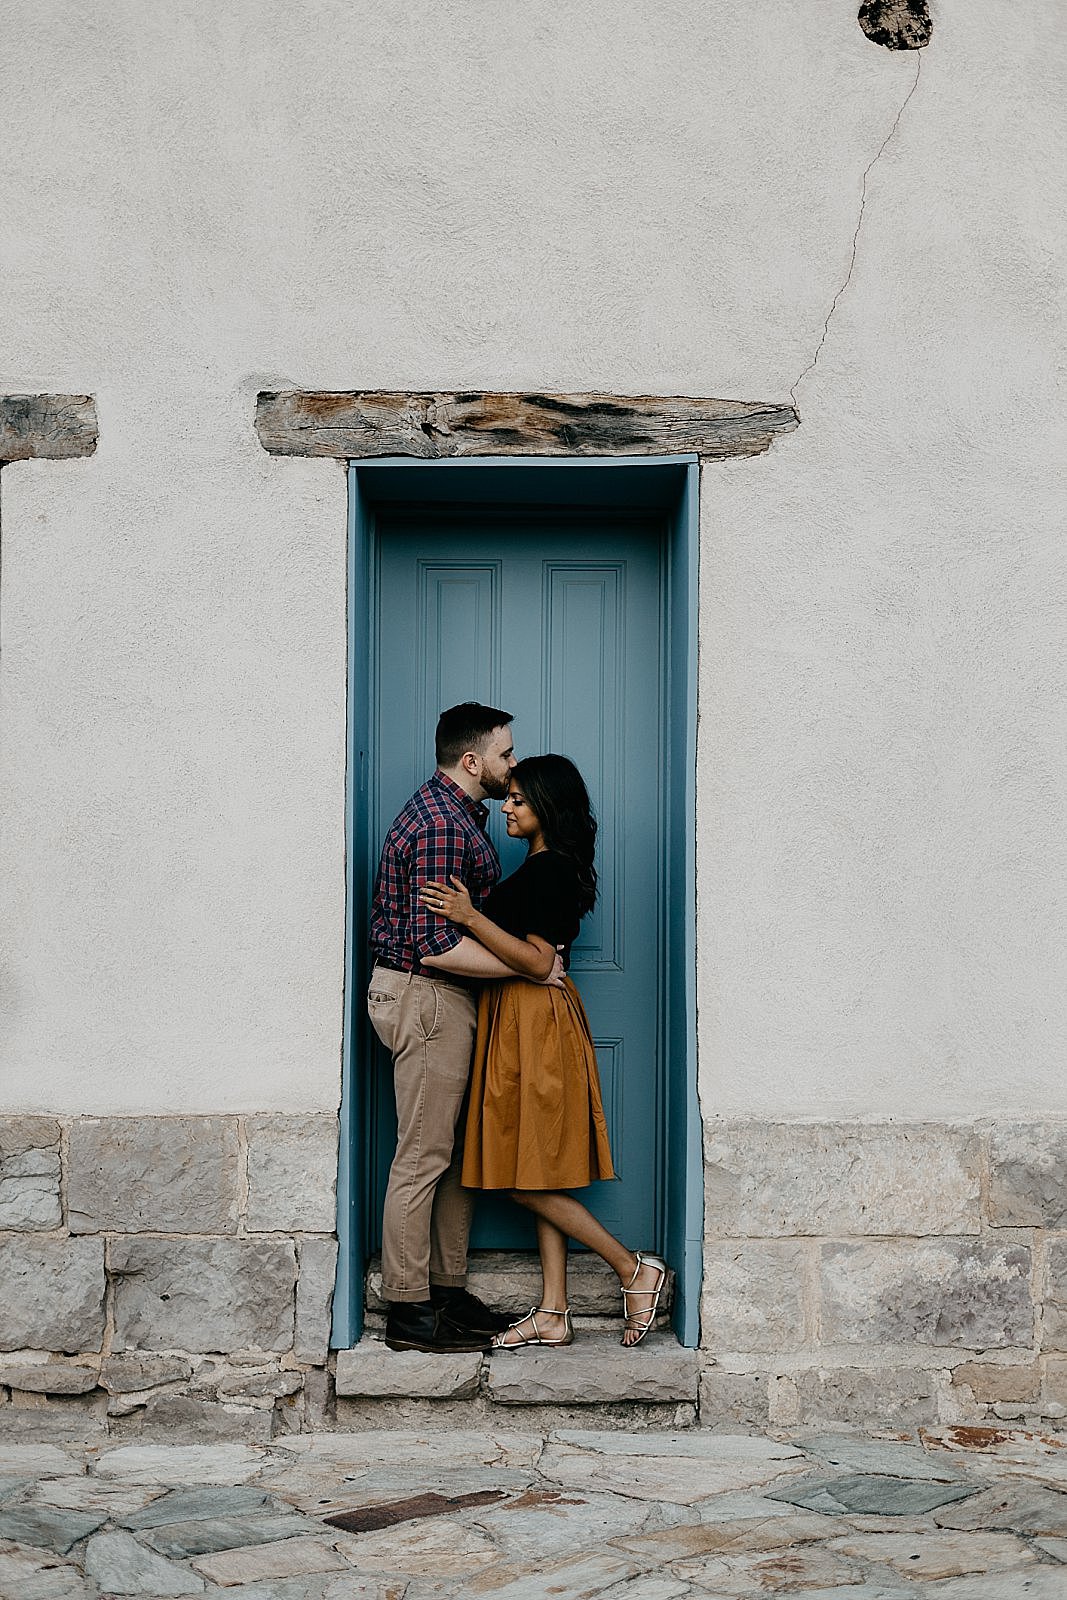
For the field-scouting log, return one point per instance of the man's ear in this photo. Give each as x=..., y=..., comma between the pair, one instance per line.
x=470, y=762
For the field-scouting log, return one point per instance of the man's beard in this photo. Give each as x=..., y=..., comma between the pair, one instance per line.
x=496, y=788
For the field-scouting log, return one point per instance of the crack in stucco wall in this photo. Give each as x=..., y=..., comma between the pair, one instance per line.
x=856, y=234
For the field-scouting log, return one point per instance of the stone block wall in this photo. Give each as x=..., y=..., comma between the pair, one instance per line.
x=885, y=1273
x=173, y=1271
x=177, y=1272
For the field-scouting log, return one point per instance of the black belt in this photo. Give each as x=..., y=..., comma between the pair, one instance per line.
x=390, y=966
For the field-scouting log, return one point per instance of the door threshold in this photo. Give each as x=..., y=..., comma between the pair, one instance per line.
x=596, y=1370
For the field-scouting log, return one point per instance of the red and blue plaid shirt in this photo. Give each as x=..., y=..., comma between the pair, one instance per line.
x=439, y=832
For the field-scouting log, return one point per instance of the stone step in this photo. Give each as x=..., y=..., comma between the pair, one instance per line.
x=595, y=1370
x=511, y=1280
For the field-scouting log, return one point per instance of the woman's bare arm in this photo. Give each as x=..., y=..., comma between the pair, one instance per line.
x=469, y=959
x=532, y=957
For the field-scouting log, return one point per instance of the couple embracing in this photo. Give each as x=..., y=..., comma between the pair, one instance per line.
x=469, y=969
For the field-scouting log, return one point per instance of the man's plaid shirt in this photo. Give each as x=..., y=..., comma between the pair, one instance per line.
x=440, y=831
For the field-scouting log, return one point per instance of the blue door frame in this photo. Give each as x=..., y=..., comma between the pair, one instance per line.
x=670, y=484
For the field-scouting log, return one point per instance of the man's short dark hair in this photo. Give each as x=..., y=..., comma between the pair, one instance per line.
x=466, y=727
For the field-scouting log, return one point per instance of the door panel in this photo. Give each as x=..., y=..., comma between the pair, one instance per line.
x=558, y=620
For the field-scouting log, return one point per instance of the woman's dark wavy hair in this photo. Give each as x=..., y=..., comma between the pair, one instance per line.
x=556, y=792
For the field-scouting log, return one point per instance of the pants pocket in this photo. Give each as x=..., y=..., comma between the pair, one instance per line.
x=428, y=1010
x=383, y=1010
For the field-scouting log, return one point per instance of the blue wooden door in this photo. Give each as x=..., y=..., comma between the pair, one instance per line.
x=556, y=617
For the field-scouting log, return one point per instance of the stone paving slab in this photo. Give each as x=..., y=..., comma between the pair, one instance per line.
x=34, y=1575
x=312, y=1586
x=119, y=1565
x=384, y=1484
x=998, y=1445
x=648, y=1587
x=49, y=1527
x=1019, y=1507
x=685, y=1541
x=717, y=1447
x=687, y=1468
x=162, y=1463
x=1051, y=1475
x=879, y=1456
x=656, y=1515
x=1044, y=1583
x=749, y=1574
x=871, y=1493
x=655, y=1479
x=116, y=1499
x=933, y=1554
x=205, y=1535
x=742, y=1506
x=858, y=1522
x=572, y=1578
x=544, y=1522
x=410, y=1447
x=188, y=1505
x=291, y=1558
x=349, y=1586
x=33, y=1460
x=1052, y=1472
x=878, y=1589
x=444, y=1548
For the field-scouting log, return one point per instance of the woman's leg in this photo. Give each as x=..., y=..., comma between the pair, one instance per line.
x=571, y=1219
x=552, y=1248
x=551, y=1324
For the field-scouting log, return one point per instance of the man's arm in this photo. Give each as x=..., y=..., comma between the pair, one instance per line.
x=433, y=937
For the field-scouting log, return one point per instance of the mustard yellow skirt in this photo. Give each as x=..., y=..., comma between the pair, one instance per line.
x=536, y=1117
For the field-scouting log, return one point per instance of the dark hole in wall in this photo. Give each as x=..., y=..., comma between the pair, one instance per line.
x=897, y=24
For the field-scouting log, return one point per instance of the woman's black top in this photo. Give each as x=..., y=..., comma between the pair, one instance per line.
x=542, y=897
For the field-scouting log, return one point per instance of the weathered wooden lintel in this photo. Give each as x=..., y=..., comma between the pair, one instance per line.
x=362, y=424
x=49, y=427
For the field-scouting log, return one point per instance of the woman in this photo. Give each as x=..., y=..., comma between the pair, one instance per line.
x=536, y=1122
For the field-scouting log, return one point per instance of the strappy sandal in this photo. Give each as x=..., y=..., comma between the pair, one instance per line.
x=536, y=1337
x=641, y=1321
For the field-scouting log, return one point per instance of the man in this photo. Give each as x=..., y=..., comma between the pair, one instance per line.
x=422, y=1009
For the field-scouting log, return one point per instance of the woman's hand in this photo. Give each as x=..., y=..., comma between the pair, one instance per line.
x=454, y=904
x=557, y=974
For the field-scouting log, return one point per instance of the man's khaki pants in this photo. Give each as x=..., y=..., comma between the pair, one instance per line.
x=427, y=1025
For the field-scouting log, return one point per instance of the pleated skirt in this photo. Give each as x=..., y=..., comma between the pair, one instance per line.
x=536, y=1117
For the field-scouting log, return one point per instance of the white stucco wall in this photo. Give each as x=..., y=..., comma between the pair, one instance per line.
x=199, y=202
